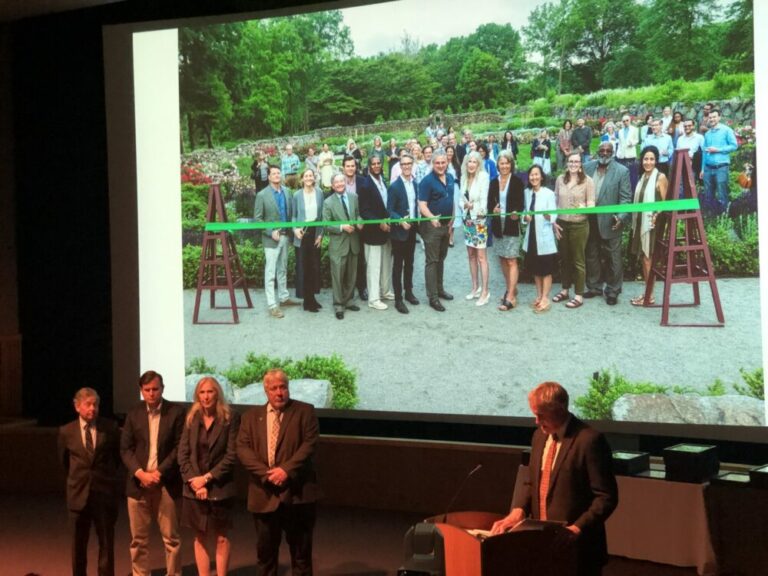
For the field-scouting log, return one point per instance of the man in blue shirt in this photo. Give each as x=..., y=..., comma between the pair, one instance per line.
x=719, y=142
x=289, y=166
x=664, y=145
x=436, y=200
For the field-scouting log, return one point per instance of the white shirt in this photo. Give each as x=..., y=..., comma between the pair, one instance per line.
x=379, y=182
x=410, y=192
x=310, y=206
x=83, y=424
x=692, y=143
x=154, y=428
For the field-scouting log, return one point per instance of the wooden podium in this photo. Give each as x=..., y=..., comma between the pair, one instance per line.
x=545, y=550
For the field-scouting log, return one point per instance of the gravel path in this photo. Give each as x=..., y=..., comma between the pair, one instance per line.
x=471, y=360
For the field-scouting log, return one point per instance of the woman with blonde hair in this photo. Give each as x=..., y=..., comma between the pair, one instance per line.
x=474, y=198
x=206, y=455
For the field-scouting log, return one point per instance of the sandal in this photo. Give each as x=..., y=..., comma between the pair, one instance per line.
x=506, y=305
x=542, y=309
x=640, y=301
x=574, y=303
x=560, y=296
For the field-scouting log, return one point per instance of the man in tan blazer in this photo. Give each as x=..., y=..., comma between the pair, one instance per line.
x=344, y=244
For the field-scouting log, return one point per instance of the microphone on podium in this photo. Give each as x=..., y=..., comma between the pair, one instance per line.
x=461, y=487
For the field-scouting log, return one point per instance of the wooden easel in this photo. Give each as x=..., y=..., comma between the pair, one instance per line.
x=681, y=253
x=220, y=267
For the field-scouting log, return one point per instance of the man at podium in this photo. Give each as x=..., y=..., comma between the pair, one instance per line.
x=571, y=478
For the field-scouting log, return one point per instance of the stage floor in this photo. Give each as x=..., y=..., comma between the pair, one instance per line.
x=348, y=542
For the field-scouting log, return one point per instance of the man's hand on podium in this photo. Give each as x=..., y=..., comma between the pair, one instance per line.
x=508, y=522
x=574, y=529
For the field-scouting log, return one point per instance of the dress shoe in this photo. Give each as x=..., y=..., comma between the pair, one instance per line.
x=339, y=315
x=411, y=299
x=436, y=305
x=591, y=294
x=401, y=307
x=444, y=295
x=364, y=294
x=289, y=302
x=276, y=312
x=611, y=300
x=310, y=309
x=353, y=307
x=377, y=305
x=389, y=296
x=483, y=300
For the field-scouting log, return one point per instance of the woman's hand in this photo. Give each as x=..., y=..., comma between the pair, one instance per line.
x=558, y=230
x=299, y=233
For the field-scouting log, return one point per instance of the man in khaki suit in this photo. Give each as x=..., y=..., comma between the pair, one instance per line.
x=344, y=244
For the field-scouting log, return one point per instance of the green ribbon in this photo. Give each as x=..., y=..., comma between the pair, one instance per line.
x=663, y=206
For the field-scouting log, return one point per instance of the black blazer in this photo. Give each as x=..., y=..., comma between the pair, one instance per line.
x=515, y=203
x=86, y=473
x=582, y=488
x=372, y=208
x=134, y=446
x=222, y=456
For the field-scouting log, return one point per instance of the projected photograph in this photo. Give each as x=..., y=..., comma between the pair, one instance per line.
x=460, y=132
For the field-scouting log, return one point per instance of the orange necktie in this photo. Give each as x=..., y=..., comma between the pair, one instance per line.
x=546, y=473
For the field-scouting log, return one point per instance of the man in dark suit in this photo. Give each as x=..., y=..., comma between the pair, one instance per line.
x=343, y=245
x=571, y=478
x=276, y=444
x=403, y=202
x=89, y=449
x=605, y=230
x=375, y=237
x=148, y=447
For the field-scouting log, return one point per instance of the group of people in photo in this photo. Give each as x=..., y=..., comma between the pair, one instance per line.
x=445, y=191
x=170, y=453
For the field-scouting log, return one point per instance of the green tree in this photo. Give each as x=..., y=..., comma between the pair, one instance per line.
x=482, y=80
x=581, y=35
x=204, y=97
x=682, y=39
x=739, y=45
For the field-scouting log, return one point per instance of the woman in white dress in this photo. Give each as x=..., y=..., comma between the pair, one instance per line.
x=474, y=198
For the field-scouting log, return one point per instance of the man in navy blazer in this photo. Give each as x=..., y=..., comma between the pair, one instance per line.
x=148, y=446
x=574, y=484
x=89, y=450
x=276, y=444
x=378, y=251
x=403, y=202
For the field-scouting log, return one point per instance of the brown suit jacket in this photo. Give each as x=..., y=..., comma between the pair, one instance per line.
x=134, y=446
x=86, y=473
x=582, y=488
x=295, y=448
